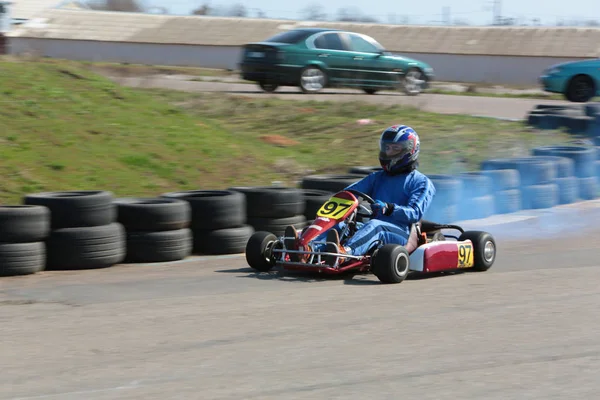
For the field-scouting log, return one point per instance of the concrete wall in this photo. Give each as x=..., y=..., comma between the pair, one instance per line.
x=448, y=67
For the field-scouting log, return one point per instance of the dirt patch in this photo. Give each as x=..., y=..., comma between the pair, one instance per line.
x=279, y=140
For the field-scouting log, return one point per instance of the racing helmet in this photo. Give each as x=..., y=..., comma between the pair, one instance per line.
x=398, y=149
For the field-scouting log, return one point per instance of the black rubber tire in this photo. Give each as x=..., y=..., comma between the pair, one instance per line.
x=585, y=84
x=153, y=214
x=330, y=182
x=364, y=170
x=213, y=209
x=24, y=224
x=272, y=201
x=86, y=248
x=76, y=209
x=390, y=263
x=161, y=246
x=479, y=239
x=222, y=241
x=258, y=255
x=313, y=200
x=268, y=86
x=277, y=225
x=22, y=258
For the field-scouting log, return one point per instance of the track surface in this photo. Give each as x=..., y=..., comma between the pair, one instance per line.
x=500, y=107
x=209, y=328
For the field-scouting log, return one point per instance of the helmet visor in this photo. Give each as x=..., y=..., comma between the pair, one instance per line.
x=389, y=150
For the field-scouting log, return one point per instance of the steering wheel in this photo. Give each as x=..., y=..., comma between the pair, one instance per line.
x=366, y=197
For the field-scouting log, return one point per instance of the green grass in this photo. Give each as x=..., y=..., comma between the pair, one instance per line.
x=65, y=128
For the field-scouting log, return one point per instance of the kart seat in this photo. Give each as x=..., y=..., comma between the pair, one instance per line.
x=413, y=238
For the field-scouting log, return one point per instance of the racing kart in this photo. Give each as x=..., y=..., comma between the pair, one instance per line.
x=428, y=250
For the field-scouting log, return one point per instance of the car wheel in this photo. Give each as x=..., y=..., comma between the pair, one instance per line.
x=390, y=263
x=413, y=81
x=312, y=79
x=484, y=249
x=580, y=89
x=370, y=90
x=268, y=87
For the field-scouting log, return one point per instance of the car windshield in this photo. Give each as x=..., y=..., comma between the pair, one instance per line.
x=289, y=37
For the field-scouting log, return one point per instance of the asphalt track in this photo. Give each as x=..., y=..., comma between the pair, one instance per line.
x=497, y=107
x=210, y=328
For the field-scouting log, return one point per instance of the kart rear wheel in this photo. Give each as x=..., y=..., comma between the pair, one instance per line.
x=484, y=249
x=259, y=251
x=390, y=263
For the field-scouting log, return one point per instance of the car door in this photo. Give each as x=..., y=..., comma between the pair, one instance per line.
x=368, y=65
x=329, y=49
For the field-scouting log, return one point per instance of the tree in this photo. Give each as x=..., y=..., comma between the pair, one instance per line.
x=314, y=12
x=117, y=5
x=352, y=14
x=204, y=9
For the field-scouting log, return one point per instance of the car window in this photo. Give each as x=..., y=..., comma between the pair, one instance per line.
x=357, y=43
x=329, y=41
x=289, y=37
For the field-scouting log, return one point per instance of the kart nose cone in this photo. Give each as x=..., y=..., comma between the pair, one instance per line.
x=489, y=251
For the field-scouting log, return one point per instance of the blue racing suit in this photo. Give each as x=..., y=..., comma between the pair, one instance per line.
x=410, y=195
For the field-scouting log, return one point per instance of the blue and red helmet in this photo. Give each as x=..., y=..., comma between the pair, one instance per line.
x=398, y=148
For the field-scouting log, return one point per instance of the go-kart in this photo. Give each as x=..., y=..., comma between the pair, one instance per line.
x=428, y=250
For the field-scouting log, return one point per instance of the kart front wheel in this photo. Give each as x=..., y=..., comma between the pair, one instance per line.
x=259, y=251
x=484, y=249
x=390, y=263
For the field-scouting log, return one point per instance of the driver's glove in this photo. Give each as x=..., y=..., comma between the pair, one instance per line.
x=382, y=207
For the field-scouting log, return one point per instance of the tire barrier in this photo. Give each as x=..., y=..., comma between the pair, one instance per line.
x=476, y=199
x=272, y=208
x=156, y=229
x=364, y=170
x=444, y=207
x=23, y=231
x=218, y=220
x=588, y=188
x=84, y=233
x=313, y=200
x=576, y=119
x=583, y=157
x=328, y=182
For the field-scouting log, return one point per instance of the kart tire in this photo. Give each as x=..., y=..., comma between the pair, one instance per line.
x=86, y=247
x=222, y=241
x=582, y=156
x=258, y=251
x=24, y=224
x=568, y=190
x=160, y=246
x=503, y=179
x=330, y=182
x=213, y=209
x=277, y=225
x=390, y=263
x=153, y=214
x=76, y=209
x=482, y=260
x=588, y=188
x=22, y=258
x=313, y=200
x=272, y=201
x=536, y=197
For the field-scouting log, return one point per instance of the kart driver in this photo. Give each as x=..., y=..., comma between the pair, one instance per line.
x=402, y=196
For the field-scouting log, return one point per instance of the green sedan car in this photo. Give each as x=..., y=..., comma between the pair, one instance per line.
x=316, y=58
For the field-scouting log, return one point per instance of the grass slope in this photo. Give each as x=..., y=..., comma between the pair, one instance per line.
x=66, y=128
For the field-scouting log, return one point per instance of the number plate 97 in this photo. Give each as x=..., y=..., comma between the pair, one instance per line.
x=465, y=255
x=335, y=208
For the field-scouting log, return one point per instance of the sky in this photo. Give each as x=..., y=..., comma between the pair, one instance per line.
x=425, y=12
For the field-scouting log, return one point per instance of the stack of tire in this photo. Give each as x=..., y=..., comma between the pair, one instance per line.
x=506, y=189
x=584, y=163
x=157, y=229
x=273, y=208
x=539, y=189
x=23, y=231
x=313, y=200
x=218, y=220
x=575, y=118
x=444, y=207
x=476, y=197
x=330, y=182
x=84, y=233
